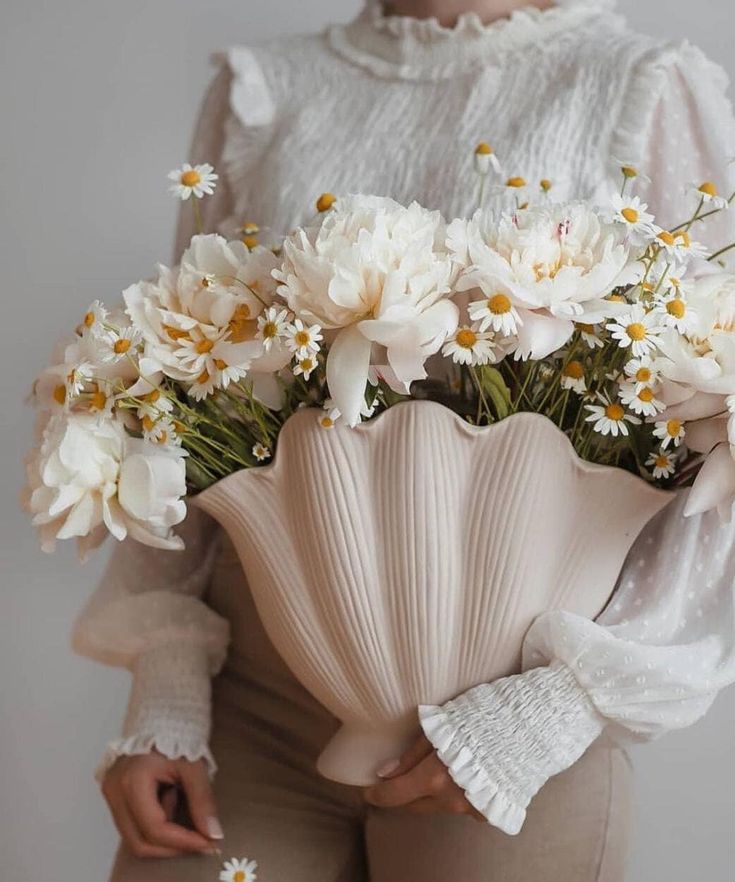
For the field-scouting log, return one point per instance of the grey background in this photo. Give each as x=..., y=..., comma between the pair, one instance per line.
x=96, y=104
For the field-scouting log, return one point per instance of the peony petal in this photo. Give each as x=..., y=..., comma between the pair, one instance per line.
x=704, y=435
x=540, y=335
x=348, y=363
x=715, y=483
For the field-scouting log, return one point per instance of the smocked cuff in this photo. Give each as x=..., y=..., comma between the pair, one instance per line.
x=169, y=709
x=502, y=741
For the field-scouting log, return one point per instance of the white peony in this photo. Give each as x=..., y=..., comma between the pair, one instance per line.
x=199, y=320
x=88, y=477
x=373, y=272
x=540, y=270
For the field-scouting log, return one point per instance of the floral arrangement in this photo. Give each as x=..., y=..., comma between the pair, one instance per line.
x=620, y=332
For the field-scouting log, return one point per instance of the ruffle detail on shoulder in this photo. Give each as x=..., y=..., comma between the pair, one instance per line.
x=250, y=97
x=168, y=744
x=481, y=792
x=647, y=84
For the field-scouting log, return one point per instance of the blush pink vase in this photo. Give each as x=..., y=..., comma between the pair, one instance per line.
x=401, y=562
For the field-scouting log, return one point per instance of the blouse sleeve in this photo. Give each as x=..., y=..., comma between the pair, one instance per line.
x=657, y=656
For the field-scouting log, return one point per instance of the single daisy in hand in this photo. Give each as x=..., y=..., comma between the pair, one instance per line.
x=193, y=180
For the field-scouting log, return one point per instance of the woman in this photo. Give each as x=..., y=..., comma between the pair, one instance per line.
x=392, y=104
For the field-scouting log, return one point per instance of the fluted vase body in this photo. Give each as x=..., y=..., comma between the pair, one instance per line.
x=401, y=562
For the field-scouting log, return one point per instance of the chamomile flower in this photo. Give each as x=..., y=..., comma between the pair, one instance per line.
x=261, y=452
x=640, y=399
x=239, y=871
x=610, y=418
x=470, y=345
x=100, y=399
x=495, y=313
x=94, y=318
x=641, y=371
x=637, y=329
x=675, y=312
x=707, y=192
x=77, y=378
x=330, y=416
x=272, y=324
x=117, y=343
x=204, y=384
x=193, y=180
x=159, y=431
x=590, y=335
x=670, y=432
x=303, y=340
x=485, y=159
x=631, y=212
x=305, y=366
x=680, y=245
x=572, y=377
x=629, y=170
x=663, y=463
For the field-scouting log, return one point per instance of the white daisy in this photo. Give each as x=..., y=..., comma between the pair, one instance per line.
x=707, y=192
x=261, y=452
x=203, y=385
x=239, y=871
x=470, y=345
x=664, y=464
x=637, y=329
x=631, y=212
x=680, y=245
x=272, y=324
x=160, y=431
x=496, y=313
x=642, y=371
x=305, y=366
x=629, y=170
x=610, y=418
x=100, y=400
x=572, y=377
x=670, y=432
x=94, y=318
x=485, y=159
x=675, y=312
x=77, y=378
x=303, y=340
x=118, y=343
x=330, y=416
x=590, y=335
x=640, y=399
x=193, y=180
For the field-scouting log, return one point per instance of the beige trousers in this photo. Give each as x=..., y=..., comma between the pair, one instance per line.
x=275, y=808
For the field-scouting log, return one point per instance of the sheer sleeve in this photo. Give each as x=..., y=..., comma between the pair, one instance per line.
x=657, y=656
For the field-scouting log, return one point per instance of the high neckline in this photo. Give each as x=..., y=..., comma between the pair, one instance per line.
x=401, y=46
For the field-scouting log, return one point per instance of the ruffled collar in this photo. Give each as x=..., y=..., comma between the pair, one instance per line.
x=398, y=46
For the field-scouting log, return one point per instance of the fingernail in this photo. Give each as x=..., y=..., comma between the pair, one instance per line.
x=214, y=828
x=213, y=851
x=388, y=768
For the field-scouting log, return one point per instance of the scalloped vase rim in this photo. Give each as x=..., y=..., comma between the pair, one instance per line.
x=447, y=413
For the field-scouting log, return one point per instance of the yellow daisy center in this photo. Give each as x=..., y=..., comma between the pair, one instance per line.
x=686, y=239
x=499, y=304
x=631, y=215
x=203, y=377
x=617, y=298
x=121, y=346
x=629, y=171
x=673, y=427
x=586, y=329
x=176, y=333
x=574, y=370
x=545, y=184
x=240, y=325
x=466, y=338
x=302, y=338
x=60, y=394
x=483, y=149
x=239, y=876
x=204, y=346
x=636, y=331
x=662, y=461
x=306, y=364
x=646, y=395
x=250, y=228
x=148, y=423
x=708, y=189
x=666, y=237
x=325, y=202
x=643, y=375
x=327, y=422
x=153, y=396
x=89, y=319
x=190, y=178
x=516, y=182
x=98, y=400
x=250, y=241
x=270, y=330
x=220, y=364
x=614, y=412
x=677, y=308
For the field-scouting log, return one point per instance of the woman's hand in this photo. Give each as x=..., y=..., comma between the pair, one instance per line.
x=131, y=788
x=420, y=783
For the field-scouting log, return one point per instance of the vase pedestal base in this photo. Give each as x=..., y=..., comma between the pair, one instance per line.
x=355, y=754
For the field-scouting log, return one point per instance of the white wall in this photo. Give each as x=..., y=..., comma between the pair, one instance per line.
x=96, y=103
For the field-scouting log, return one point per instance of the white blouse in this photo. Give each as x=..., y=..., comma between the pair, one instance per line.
x=394, y=106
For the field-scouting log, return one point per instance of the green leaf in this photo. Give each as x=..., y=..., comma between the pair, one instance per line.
x=494, y=386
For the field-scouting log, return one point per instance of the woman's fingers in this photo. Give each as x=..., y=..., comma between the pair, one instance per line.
x=424, y=779
x=141, y=795
x=202, y=807
x=420, y=748
x=131, y=835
